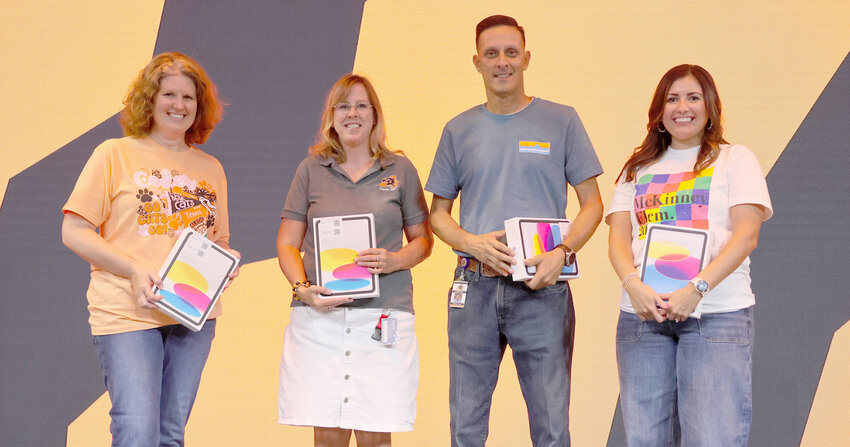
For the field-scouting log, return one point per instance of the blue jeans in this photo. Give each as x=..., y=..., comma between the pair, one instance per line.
x=687, y=383
x=152, y=377
x=539, y=327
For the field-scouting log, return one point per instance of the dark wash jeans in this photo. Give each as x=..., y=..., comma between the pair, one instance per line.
x=539, y=326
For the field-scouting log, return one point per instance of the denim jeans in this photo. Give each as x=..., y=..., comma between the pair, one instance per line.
x=687, y=383
x=152, y=377
x=539, y=327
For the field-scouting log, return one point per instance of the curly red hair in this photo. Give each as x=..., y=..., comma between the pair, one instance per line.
x=137, y=117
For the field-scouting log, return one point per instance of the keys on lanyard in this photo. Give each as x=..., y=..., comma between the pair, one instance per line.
x=386, y=331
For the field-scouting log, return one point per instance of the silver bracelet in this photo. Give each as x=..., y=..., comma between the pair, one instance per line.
x=628, y=278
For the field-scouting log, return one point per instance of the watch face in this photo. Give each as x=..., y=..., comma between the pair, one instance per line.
x=569, y=258
x=702, y=286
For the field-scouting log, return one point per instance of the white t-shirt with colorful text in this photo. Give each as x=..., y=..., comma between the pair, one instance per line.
x=669, y=192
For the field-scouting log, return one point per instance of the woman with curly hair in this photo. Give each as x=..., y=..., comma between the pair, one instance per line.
x=686, y=380
x=133, y=198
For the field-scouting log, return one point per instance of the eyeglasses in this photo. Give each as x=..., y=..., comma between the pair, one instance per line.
x=344, y=107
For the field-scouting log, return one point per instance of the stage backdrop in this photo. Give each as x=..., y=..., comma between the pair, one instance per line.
x=781, y=68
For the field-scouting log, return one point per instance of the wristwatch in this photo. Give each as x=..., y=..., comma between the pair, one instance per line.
x=701, y=285
x=569, y=255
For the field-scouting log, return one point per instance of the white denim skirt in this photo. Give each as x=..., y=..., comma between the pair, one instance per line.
x=333, y=374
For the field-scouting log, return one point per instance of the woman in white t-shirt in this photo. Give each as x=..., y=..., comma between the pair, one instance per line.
x=686, y=378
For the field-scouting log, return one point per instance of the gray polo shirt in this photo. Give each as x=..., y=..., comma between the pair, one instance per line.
x=515, y=165
x=390, y=190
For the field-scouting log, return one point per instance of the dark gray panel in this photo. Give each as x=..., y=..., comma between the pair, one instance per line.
x=617, y=435
x=273, y=62
x=798, y=270
x=48, y=371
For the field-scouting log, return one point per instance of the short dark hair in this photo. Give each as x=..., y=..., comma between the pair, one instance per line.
x=497, y=20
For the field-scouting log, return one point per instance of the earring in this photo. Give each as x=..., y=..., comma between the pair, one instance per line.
x=709, y=125
x=661, y=128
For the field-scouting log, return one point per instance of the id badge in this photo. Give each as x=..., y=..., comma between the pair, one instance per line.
x=389, y=331
x=457, y=295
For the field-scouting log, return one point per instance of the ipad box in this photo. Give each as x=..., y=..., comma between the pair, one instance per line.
x=673, y=256
x=193, y=276
x=531, y=236
x=338, y=239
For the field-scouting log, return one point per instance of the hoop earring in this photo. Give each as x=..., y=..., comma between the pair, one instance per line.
x=661, y=128
x=709, y=125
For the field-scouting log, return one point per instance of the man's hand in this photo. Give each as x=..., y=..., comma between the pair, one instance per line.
x=489, y=249
x=549, y=266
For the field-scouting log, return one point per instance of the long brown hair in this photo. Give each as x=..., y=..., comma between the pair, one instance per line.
x=137, y=117
x=327, y=142
x=656, y=141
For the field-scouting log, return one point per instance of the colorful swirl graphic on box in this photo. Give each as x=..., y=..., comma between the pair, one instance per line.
x=545, y=238
x=345, y=275
x=189, y=287
x=673, y=199
x=669, y=266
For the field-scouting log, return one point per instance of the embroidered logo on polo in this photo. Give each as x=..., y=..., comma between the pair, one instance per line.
x=673, y=199
x=534, y=147
x=388, y=183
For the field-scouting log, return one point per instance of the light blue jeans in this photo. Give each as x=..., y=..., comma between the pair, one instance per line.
x=152, y=377
x=687, y=383
x=539, y=327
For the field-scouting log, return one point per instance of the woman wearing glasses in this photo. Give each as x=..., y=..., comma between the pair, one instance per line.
x=334, y=376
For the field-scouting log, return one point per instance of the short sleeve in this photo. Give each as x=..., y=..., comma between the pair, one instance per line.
x=413, y=207
x=582, y=162
x=746, y=181
x=91, y=197
x=221, y=230
x=443, y=179
x=297, y=199
x=623, y=198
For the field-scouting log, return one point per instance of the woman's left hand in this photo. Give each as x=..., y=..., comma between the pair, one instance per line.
x=234, y=273
x=682, y=302
x=378, y=260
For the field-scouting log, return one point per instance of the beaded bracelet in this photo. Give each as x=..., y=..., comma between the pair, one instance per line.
x=295, y=287
x=628, y=278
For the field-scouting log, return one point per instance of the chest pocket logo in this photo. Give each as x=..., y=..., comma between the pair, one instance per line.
x=534, y=147
x=388, y=183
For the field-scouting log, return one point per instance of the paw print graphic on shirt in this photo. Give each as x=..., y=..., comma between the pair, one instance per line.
x=144, y=195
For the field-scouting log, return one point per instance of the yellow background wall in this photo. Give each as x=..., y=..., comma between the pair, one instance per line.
x=771, y=60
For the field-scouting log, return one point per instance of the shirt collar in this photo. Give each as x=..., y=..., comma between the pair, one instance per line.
x=387, y=161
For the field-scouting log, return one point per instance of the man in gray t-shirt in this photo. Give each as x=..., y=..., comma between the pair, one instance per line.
x=510, y=157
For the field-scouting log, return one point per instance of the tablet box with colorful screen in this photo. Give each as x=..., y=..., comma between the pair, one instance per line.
x=193, y=277
x=673, y=256
x=337, y=240
x=529, y=237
